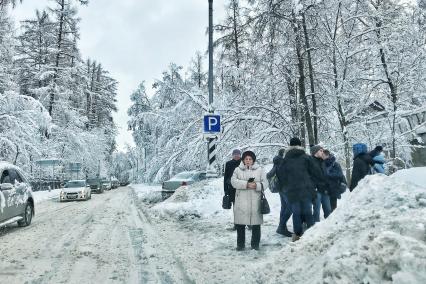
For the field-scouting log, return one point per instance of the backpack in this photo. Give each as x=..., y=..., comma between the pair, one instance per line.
x=274, y=183
x=359, y=148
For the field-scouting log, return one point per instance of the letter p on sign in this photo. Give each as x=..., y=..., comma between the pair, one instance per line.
x=212, y=123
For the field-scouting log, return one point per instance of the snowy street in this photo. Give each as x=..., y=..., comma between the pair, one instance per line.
x=98, y=241
x=129, y=235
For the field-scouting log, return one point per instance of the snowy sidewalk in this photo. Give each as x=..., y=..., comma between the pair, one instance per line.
x=371, y=237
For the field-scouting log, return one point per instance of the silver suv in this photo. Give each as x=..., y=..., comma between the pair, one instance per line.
x=16, y=199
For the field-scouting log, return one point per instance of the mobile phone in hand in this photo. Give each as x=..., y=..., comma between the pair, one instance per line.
x=251, y=180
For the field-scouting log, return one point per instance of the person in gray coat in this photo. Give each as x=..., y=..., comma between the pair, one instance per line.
x=248, y=180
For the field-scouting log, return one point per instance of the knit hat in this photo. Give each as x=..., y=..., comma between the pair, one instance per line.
x=249, y=153
x=379, y=148
x=315, y=149
x=236, y=152
x=295, y=142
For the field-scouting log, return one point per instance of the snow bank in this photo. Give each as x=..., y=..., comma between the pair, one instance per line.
x=196, y=200
x=376, y=235
x=2, y=202
x=413, y=175
x=44, y=195
x=204, y=200
x=147, y=193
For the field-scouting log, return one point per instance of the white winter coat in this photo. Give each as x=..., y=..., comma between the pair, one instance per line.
x=247, y=200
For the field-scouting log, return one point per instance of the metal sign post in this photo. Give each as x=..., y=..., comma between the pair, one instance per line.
x=211, y=132
x=211, y=122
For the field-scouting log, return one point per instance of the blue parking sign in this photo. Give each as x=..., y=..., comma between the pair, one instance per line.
x=211, y=123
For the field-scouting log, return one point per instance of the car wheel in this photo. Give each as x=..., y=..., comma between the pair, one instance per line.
x=28, y=215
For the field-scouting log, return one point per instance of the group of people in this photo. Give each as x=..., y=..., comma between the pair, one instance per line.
x=306, y=183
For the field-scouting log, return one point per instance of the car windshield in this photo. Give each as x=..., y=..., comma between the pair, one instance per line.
x=184, y=175
x=72, y=184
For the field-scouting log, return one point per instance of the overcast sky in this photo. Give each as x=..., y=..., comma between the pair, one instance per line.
x=135, y=40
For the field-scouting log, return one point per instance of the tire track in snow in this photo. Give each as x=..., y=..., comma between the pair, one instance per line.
x=162, y=264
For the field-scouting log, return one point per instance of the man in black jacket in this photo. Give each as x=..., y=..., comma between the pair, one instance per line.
x=362, y=165
x=297, y=174
x=285, y=212
x=322, y=197
x=230, y=166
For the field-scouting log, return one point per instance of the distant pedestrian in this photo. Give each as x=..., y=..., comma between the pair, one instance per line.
x=378, y=159
x=285, y=212
x=297, y=174
x=248, y=180
x=362, y=164
x=322, y=198
x=336, y=180
x=230, y=166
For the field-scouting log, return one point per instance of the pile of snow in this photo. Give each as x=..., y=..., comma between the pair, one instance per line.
x=2, y=202
x=413, y=175
x=44, y=195
x=204, y=200
x=147, y=193
x=376, y=235
x=196, y=200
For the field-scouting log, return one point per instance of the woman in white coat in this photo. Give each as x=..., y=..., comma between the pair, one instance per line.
x=248, y=180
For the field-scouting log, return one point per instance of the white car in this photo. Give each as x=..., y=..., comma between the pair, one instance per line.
x=75, y=190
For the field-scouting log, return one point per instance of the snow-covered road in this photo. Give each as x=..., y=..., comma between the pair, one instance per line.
x=129, y=235
x=103, y=240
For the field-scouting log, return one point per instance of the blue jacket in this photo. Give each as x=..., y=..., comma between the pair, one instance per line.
x=379, y=164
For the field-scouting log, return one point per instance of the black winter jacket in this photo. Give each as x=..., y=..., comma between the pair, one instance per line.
x=297, y=174
x=320, y=180
x=229, y=171
x=334, y=176
x=361, y=168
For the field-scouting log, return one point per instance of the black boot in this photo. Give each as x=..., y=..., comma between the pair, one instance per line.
x=255, y=237
x=285, y=232
x=241, y=237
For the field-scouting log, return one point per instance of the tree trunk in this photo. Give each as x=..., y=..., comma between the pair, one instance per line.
x=302, y=91
x=58, y=55
x=235, y=27
x=392, y=88
x=311, y=79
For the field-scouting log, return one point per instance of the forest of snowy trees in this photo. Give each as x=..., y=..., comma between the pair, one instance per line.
x=54, y=103
x=334, y=72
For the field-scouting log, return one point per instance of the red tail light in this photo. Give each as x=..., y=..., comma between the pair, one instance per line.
x=184, y=183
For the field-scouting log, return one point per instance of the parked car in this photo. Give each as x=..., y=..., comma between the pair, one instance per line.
x=75, y=190
x=95, y=185
x=106, y=184
x=16, y=199
x=114, y=183
x=181, y=179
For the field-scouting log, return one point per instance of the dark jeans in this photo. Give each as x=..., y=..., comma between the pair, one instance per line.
x=285, y=213
x=333, y=203
x=241, y=235
x=324, y=200
x=302, y=210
